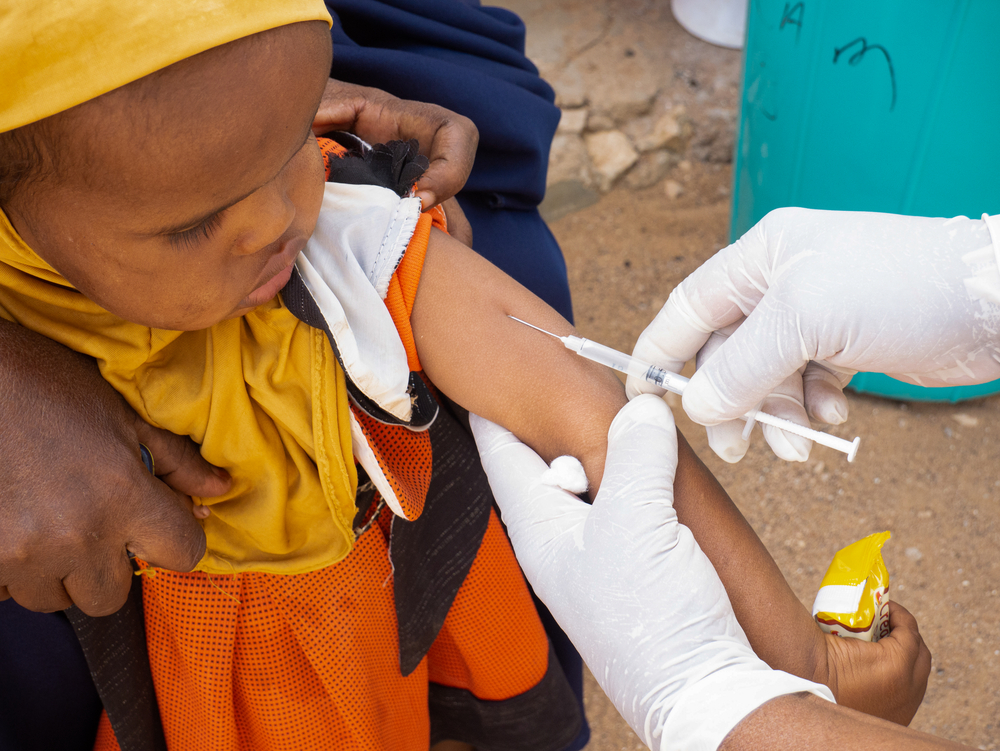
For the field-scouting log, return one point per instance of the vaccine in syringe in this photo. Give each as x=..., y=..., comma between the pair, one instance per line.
x=675, y=383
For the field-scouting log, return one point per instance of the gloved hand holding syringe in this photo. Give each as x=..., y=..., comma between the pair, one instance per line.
x=665, y=379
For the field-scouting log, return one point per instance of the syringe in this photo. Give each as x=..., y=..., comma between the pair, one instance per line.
x=677, y=383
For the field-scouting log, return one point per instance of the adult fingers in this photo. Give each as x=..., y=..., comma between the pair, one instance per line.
x=452, y=153
x=100, y=589
x=151, y=520
x=823, y=387
x=536, y=514
x=46, y=596
x=638, y=481
x=719, y=293
x=727, y=438
x=786, y=401
x=749, y=365
x=178, y=462
x=448, y=139
x=674, y=336
x=338, y=109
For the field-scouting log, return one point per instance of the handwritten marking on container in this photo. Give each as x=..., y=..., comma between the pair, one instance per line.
x=859, y=55
x=789, y=18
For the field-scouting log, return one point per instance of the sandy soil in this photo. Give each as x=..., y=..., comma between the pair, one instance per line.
x=929, y=473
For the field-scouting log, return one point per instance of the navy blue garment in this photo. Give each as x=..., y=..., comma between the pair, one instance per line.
x=470, y=59
x=47, y=698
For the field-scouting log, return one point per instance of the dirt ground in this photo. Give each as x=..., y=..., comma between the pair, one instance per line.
x=929, y=473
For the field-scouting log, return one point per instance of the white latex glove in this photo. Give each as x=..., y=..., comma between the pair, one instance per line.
x=916, y=298
x=785, y=400
x=631, y=587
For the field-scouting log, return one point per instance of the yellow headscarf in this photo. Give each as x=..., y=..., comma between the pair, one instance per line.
x=262, y=394
x=56, y=55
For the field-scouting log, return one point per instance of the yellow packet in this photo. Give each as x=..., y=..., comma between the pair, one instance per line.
x=853, y=599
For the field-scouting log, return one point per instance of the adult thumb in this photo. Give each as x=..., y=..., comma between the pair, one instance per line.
x=537, y=514
x=639, y=471
x=178, y=462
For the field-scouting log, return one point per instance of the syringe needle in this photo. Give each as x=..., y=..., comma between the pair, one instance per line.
x=673, y=382
x=532, y=326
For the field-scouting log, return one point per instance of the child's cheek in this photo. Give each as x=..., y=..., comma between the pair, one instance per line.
x=310, y=185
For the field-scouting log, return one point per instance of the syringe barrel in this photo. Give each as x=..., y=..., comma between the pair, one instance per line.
x=609, y=357
x=627, y=364
x=665, y=379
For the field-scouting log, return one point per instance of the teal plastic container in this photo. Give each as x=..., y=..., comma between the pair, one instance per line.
x=871, y=106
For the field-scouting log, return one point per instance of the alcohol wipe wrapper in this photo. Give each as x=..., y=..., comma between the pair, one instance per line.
x=853, y=599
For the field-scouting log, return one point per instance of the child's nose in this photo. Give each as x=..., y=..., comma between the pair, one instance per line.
x=271, y=211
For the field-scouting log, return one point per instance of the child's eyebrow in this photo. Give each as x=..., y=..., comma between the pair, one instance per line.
x=191, y=224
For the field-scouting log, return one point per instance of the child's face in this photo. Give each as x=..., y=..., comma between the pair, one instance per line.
x=183, y=199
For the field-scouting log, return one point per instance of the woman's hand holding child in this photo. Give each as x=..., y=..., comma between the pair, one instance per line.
x=448, y=139
x=76, y=496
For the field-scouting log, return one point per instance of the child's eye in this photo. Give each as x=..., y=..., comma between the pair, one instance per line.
x=189, y=238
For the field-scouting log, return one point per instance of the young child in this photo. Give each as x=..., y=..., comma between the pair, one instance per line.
x=153, y=230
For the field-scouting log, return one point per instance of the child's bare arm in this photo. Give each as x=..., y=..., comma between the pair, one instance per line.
x=887, y=679
x=558, y=403
x=555, y=401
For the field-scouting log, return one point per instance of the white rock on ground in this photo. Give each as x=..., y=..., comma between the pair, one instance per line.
x=670, y=131
x=615, y=78
x=612, y=154
x=568, y=160
x=571, y=91
x=599, y=121
x=572, y=121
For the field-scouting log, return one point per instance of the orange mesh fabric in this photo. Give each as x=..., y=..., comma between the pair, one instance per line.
x=405, y=456
x=405, y=459
x=491, y=606
x=403, y=285
x=262, y=662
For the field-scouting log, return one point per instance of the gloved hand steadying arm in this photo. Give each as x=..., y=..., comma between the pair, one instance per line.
x=826, y=294
x=631, y=587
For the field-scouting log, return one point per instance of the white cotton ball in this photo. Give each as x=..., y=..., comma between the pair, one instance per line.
x=567, y=473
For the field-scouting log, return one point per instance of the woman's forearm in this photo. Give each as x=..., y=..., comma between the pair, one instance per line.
x=798, y=721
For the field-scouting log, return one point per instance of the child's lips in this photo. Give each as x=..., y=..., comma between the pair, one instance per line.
x=276, y=274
